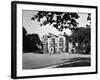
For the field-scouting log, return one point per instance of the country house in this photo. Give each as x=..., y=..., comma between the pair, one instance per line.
x=53, y=44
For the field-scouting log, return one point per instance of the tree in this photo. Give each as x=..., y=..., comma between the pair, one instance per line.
x=27, y=46
x=59, y=20
x=88, y=25
x=35, y=41
x=31, y=42
x=81, y=36
x=64, y=20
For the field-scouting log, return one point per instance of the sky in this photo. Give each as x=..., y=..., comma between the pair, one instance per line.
x=34, y=26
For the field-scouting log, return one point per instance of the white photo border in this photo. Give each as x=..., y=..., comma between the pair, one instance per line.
x=57, y=71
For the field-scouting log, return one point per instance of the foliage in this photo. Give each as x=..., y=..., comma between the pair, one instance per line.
x=89, y=21
x=31, y=42
x=59, y=20
x=64, y=20
x=81, y=36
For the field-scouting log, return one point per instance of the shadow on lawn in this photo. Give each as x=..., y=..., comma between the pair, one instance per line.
x=75, y=62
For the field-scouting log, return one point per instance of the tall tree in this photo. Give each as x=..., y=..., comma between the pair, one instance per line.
x=27, y=46
x=82, y=36
x=88, y=25
x=59, y=20
x=31, y=42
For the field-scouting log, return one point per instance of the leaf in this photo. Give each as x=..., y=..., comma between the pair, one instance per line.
x=32, y=18
x=61, y=19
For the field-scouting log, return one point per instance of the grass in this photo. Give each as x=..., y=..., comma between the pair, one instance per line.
x=36, y=61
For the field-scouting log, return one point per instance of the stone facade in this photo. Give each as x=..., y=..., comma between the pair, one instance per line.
x=54, y=44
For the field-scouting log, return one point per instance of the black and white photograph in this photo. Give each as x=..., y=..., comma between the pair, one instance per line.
x=53, y=39
x=56, y=39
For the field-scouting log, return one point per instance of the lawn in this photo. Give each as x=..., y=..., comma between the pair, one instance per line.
x=36, y=61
